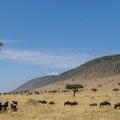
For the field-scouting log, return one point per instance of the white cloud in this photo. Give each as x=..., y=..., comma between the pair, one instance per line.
x=8, y=40
x=55, y=60
x=53, y=73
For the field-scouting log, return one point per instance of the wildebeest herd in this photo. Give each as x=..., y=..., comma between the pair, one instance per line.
x=104, y=103
x=4, y=106
x=13, y=104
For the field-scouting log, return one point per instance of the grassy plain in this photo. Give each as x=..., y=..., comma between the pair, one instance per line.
x=60, y=112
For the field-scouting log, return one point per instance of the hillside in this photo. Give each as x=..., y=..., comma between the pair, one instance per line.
x=35, y=83
x=99, y=68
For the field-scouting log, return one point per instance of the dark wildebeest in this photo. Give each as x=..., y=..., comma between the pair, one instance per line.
x=104, y=103
x=116, y=105
x=93, y=104
x=51, y=103
x=5, y=105
x=13, y=105
x=71, y=103
x=0, y=106
x=74, y=103
x=43, y=102
x=67, y=103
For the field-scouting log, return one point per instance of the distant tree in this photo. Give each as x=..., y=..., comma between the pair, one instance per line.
x=74, y=87
x=116, y=90
x=99, y=85
x=94, y=89
x=118, y=83
x=72, y=79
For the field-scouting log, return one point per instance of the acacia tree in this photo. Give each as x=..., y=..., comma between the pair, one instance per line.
x=116, y=89
x=94, y=89
x=74, y=87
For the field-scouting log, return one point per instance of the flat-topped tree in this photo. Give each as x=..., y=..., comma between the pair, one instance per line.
x=94, y=89
x=116, y=90
x=74, y=87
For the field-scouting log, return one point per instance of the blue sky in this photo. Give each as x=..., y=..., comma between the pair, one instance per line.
x=43, y=37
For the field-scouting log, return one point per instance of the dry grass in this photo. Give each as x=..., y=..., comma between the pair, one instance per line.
x=59, y=111
x=108, y=84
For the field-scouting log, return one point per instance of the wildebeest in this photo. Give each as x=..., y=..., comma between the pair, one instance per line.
x=0, y=106
x=5, y=105
x=104, y=103
x=67, y=103
x=93, y=104
x=116, y=105
x=71, y=103
x=43, y=101
x=13, y=105
x=74, y=103
x=51, y=103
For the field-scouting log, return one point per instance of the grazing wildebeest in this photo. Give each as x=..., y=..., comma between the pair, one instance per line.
x=104, y=103
x=71, y=103
x=13, y=105
x=0, y=106
x=43, y=102
x=51, y=103
x=116, y=105
x=67, y=103
x=5, y=105
x=74, y=103
x=93, y=104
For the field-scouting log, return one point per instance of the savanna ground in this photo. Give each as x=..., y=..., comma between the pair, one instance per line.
x=60, y=112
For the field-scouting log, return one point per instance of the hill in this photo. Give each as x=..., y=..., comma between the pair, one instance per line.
x=103, y=68
x=35, y=83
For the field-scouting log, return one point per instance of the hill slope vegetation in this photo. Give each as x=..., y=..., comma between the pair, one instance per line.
x=103, y=67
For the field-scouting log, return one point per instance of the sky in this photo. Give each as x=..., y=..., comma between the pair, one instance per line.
x=49, y=37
